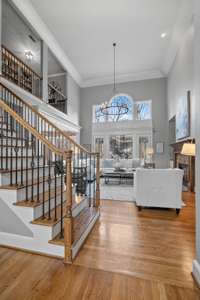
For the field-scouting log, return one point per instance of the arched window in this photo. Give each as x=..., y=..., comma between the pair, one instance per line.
x=114, y=110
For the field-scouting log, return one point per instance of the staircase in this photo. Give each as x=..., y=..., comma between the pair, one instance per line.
x=49, y=185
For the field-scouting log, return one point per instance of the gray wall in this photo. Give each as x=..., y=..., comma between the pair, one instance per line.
x=180, y=78
x=73, y=95
x=154, y=89
x=11, y=223
x=197, y=122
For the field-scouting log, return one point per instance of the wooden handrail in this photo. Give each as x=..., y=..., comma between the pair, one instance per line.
x=50, y=123
x=33, y=131
x=57, y=91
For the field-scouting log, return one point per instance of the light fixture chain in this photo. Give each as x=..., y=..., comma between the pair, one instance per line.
x=114, y=89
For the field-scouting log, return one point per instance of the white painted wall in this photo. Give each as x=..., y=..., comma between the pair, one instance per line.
x=154, y=89
x=180, y=77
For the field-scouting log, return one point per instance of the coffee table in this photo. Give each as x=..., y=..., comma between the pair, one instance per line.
x=118, y=176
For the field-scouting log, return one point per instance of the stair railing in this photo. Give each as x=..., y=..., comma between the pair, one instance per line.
x=20, y=73
x=56, y=98
x=69, y=172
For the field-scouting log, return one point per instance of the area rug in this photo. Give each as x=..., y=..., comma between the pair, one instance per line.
x=117, y=192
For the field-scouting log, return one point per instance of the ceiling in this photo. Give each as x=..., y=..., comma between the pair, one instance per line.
x=86, y=30
x=16, y=37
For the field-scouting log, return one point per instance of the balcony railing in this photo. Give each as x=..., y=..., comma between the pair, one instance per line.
x=19, y=73
x=56, y=98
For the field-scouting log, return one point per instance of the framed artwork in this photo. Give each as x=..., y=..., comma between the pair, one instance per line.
x=183, y=117
x=160, y=147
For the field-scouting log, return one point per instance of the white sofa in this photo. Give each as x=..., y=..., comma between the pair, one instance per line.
x=158, y=188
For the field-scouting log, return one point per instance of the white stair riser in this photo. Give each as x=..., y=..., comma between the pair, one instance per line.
x=6, y=177
x=10, y=151
x=38, y=211
x=4, y=142
x=76, y=209
x=56, y=228
x=19, y=162
x=21, y=193
x=8, y=133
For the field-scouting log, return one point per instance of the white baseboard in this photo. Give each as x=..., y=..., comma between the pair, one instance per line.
x=196, y=271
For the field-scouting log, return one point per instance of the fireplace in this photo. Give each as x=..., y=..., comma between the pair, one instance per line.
x=186, y=163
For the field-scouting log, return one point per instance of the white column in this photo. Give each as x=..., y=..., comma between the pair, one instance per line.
x=196, y=263
x=44, y=62
x=66, y=93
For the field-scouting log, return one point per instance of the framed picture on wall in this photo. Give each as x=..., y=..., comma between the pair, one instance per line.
x=183, y=117
x=159, y=147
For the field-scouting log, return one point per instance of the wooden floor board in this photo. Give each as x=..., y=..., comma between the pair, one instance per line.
x=154, y=244
x=128, y=255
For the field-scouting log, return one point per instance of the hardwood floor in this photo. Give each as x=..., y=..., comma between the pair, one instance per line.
x=129, y=255
x=153, y=244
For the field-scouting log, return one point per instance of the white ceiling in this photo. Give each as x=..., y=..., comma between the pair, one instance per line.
x=86, y=29
x=15, y=37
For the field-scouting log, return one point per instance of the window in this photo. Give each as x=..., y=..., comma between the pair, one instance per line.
x=143, y=110
x=99, y=144
x=121, y=146
x=114, y=112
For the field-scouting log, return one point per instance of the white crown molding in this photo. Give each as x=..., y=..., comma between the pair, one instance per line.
x=183, y=23
x=28, y=11
x=120, y=78
x=57, y=74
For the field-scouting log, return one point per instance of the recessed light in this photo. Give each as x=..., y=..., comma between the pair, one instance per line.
x=163, y=35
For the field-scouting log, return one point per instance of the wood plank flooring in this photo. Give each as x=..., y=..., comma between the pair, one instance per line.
x=129, y=255
x=153, y=244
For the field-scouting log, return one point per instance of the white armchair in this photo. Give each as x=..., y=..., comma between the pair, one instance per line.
x=159, y=188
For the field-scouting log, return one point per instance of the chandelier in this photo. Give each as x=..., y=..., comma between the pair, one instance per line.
x=114, y=107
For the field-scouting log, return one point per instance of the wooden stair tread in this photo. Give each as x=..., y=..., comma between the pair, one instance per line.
x=35, y=203
x=18, y=187
x=45, y=221
x=51, y=222
x=81, y=222
x=28, y=203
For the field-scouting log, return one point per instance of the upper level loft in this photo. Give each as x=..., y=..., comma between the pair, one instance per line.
x=28, y=62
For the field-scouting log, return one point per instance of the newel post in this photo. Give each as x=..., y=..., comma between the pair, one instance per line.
x=98, y=181
x=68, y=220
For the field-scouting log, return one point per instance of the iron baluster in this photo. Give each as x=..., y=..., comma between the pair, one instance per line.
x=16, y=153
x=43, y=182
x=55, y=191
x=22, y=157
x=27, y=166
x=61, y=213
x=32, y=168
x=49, y=185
